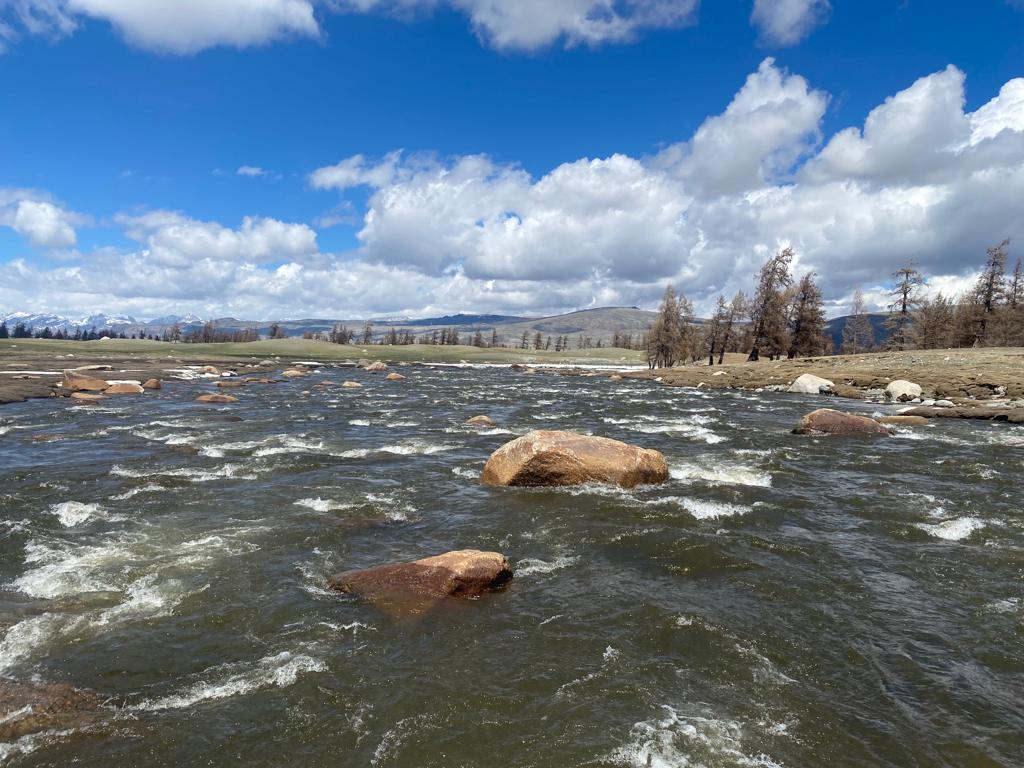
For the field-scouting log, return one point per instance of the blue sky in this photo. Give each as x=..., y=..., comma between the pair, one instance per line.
x=576, y=153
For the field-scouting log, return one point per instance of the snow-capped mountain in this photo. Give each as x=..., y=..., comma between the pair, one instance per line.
x=61, y=323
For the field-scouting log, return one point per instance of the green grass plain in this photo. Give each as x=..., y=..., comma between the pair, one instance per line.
x=11, y=350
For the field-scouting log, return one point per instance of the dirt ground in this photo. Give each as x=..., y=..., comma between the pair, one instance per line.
x=952, y=374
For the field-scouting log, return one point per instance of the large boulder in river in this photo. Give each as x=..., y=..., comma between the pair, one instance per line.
x=152, y=384
x=809, y=384
x=375, y=367
x=80, y=382
x=826, y=421
x=124, y=388
x=416, y=585
x=481, y=421
x=547, y=457
x=216, y=398
x=902, y=390
x=31, y=707
x=395, y=377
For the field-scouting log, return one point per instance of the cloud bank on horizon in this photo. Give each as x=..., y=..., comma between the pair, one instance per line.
x=921, y=180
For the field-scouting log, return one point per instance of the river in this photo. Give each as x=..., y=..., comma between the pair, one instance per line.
x=781, y=601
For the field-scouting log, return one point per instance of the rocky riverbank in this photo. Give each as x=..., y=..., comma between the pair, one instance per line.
x=963, y=377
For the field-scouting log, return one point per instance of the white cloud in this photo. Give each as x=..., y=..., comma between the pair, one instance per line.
x=470, y=233
x=179, y=27
x=772, y=122
x=787, y=22
x=173, y=240
x=355, y=171
x=252, y=171
x=37, y=217
x=532, y=24
x=189, y=26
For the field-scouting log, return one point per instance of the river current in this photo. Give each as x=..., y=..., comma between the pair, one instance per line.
x=781, y=601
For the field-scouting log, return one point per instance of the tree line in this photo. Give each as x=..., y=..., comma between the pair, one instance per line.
x=786, y=317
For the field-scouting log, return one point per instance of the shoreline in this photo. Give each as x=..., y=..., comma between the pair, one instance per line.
x=967, y=378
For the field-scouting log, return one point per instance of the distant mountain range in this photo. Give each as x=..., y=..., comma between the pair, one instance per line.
x=596, y=324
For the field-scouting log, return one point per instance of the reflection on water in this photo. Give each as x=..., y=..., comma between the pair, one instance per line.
x=782, y=600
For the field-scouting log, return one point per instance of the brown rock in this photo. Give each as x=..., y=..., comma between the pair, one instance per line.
x=152, y=384
x=33, y=707
x=547, y=457
x=209, y=369
x=826, y=421
x=395, y=377
x=77, y=382
x=375, y=367
x=903, y=420
x=87, y=397
x=229, y=384
x=216, y=398
x=416, y=586
x=293, y=373
x=481, y=421
x=124, y=389
x=352, y=385
x=615, y=377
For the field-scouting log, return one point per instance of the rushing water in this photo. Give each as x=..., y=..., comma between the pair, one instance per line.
x=781, y=601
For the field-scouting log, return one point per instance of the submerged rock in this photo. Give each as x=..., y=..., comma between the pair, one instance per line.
x=902, y=390
x=395, y=377
x=415, y=586
x=352, y=385
x=228, y=384
x=87, y=397
x=28, y=707
x=216, y=398
x=826, y=421
x=124, y=389
x=809, y=384
x=547, y=457
x=903, y=420
x=293, y=373
x=481, y=421
x=987, y=413
x=77, y=382
x=152, y=384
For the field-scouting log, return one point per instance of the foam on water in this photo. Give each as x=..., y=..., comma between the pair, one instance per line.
x=148, y=488
x=72, y=513
x=721, y=473
x=530, y=566
x=956, y=529
x=322, y=505
x=23, y=638
x=65, y=570
x=706, y=509
x=678, y=741
x=280, y=670
x=225, y=471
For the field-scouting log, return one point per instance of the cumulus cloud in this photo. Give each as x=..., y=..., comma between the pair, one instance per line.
x=173, y=240
x=770, y=124
x=38, y=218
x=787, y=22
x=188, y=26
x=920, y=180
x=179, y=27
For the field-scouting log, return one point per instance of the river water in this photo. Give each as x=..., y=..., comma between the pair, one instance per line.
x=781, y=601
